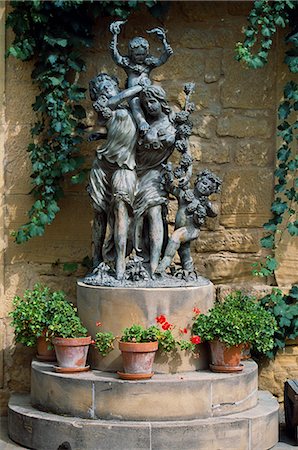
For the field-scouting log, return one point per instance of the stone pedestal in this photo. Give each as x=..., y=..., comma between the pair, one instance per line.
x=118, y=308
x=180, y=407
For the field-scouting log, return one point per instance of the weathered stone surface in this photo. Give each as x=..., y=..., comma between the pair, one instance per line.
x=257, y=291
x=67, y=239
x=182, y=396
x=287, y=256
x=45, y=431
x=4, y=397
x=213, y=151
x=239, y=83
x=239, y=124
x=142, y=305
x=246, y=197
x=180, y=65
x=201, y=10
x=238, y=241
x=2, y=347
x=226, y=267
x=239, y=8
x=203, y=125
x=21, y=111
x=17, y=164
x=253, y=153
x=213, y=68
x=273, y=374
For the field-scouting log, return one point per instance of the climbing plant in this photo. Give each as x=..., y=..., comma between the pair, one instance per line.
x=263, y=21
x=54, y=35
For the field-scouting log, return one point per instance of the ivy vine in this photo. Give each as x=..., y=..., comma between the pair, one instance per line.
x=264, y=20
x=54, y=35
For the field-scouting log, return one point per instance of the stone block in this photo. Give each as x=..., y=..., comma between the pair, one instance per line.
x=239, y=83
x=2, y=347
x=213, y=68
x=4, y=397
x=227, y=267
x=17, y=164
x=246, y=288
x=254, y=152
x=214, y=151
x=206, y=36
x=239, y=124
x=238, y=241
x=200, y=11
x=67, y=239
x=287, y=256
x=242, y=8
x=184, y=62
x=246, y=197
x=203, y=125
x=20, y=111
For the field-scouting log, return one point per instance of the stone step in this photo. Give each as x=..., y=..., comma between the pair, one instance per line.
x=254, y=429
x=180, y=396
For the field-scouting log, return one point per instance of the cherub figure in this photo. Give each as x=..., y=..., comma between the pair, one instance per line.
x=193, y=207
x=138, y=65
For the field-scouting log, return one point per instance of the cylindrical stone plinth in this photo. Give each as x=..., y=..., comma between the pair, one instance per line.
x=118, y=308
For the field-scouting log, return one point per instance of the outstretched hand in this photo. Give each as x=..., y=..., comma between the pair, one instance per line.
x=160, y=32
x=115, y=27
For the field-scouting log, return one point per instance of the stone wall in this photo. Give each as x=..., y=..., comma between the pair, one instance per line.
x=234, y=135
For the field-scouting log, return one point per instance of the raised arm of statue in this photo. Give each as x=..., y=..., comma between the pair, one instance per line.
x=168, y=51
x=126, y=94
x=115, y=29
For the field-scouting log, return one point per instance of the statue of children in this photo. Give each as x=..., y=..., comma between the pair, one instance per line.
x=193, y=207
x=138, y=65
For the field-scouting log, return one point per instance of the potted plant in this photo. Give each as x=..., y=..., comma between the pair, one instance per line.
x=31, y=317
x=231, y=324
x=138, y=346
x=69, y=337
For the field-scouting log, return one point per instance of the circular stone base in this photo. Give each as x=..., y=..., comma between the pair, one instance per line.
x=118, y=308
x=181, y=396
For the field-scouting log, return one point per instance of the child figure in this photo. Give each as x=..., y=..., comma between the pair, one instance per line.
x=138, y=65
x=193, y=207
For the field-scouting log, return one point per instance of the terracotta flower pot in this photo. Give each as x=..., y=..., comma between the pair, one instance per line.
x=71, y=353
x=45, y=349
x=224, y=358
x=138, y=358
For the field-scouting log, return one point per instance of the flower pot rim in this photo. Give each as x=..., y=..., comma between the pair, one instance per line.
x=72, y=342
x=136, y=347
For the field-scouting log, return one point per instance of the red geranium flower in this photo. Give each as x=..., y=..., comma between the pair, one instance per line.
x=92, y=341
x=183, y=330
x=195, y=339
x=98, y=324
x=161, y=319
x=167, y=326
x=197, y=311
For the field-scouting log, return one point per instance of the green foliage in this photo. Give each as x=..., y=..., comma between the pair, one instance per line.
x=137, y=333
x=31, y=314
x=41, y=310
x=239, y=319
x=64, y=320
x=104, y=342
x=264, y=19
x=285, y=310
x=54, y=34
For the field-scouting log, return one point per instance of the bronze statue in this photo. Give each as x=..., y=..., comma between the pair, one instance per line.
x=131, y=177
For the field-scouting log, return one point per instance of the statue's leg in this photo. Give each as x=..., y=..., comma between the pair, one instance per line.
x=138, y=114
x=185, y=257
x=98, y=236
x=171, y=248
x=120, y=236
x=156, y=235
